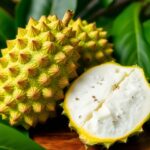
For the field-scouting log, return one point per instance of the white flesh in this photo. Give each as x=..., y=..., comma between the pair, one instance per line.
x=109, y=101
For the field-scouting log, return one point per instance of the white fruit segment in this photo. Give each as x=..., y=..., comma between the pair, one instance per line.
x=108, y=101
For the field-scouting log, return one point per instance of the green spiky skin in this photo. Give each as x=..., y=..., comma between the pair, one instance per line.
x=94, y=46
x=35, y=68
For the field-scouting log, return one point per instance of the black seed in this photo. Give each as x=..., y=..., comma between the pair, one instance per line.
x=95, y=100
x=80, y=116
x=76, y=98
x=114, y=121
x=93, y=97
x=118, y=116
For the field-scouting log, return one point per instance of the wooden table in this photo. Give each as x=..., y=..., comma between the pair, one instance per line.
x=55, y=135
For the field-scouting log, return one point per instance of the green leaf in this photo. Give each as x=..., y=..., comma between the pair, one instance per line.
x=106, y=3
x=3, y=121
x=146, y=29
x=8, y=5
x=39, y=8
x=130, y=45
x=7, y=25
x=81, y=5
x=106, y=23
x=11, y=139
x=59, y=7
x=21, y=129
x=21, y=12
x=31, y=8
x=2, y=42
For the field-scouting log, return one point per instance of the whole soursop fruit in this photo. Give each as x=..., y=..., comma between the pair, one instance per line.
x=35, y=68
x=108, y=103
x=94, y=46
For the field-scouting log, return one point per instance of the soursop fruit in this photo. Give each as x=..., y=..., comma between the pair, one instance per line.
x=35, y=68
x=108, y=103
x=94, y=46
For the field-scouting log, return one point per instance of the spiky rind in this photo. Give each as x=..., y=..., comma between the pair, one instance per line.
x=33, y=70
x=94, y=46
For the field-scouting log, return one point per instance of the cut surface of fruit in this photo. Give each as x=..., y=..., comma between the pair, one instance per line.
x=108, y=103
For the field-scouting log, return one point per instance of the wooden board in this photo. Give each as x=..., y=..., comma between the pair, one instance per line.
x=55, y=135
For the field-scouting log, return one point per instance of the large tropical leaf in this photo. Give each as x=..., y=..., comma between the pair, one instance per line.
x=22, y=12
x=7, y=25
x=31, y=8
x=11, y=139
x=130, y=45
x=2, y=42
x=106, y=3
x=81, y=5
x=146, y=28
x=106, y=23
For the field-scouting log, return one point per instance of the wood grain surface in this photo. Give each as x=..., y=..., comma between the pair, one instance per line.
x=55, y=135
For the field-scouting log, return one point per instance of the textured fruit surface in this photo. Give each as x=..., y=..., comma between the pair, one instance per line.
x=108, y=103
x=35, y=68
x=94, y=46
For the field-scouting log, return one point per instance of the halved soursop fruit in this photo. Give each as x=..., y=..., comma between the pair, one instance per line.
x=94, y=46
x=35, y=68
x=108, y=103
